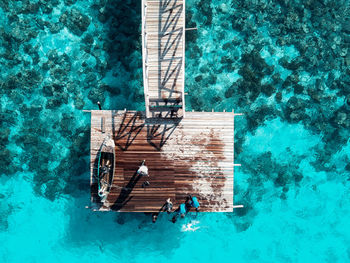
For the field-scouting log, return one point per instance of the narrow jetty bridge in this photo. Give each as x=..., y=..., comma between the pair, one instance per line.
x=163, y=56
x=185, y=152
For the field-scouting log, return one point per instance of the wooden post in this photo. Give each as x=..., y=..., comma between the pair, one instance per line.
x=103, y=124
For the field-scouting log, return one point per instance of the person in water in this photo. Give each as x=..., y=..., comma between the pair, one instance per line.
x=154, y=217
x=180, y=211
x=143, y=169
x=188, y=202
x=192, y=202
x=195, y=203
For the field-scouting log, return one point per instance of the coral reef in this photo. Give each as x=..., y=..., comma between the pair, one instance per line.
x=284, y=64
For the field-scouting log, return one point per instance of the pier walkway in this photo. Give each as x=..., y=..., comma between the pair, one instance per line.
x=163, y=53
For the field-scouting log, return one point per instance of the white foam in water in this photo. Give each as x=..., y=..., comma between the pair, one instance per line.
x=191, y=226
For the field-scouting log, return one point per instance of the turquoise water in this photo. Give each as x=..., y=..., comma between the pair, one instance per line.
x=284, y=64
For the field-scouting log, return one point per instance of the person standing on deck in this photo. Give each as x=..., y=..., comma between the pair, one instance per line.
x=143, y=169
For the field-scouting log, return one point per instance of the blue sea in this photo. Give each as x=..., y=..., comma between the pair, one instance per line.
x=284, y=64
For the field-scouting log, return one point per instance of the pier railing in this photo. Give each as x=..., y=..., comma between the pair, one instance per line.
x=183, y=58
x=145, y=55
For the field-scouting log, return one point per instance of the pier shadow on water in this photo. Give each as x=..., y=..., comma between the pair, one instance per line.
x=117, y=229
x=123, y=24
x=121, y=21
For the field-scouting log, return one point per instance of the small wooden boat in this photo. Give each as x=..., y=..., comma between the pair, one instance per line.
x=106, y=167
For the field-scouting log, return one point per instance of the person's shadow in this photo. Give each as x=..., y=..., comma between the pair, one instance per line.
x=123, y=197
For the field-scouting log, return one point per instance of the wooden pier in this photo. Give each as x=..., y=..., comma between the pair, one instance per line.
x=193, y=155
x=185, y=152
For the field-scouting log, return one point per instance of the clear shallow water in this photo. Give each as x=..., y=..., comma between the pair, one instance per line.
x=284, y=65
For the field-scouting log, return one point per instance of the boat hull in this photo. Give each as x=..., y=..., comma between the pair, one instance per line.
x=106, y=168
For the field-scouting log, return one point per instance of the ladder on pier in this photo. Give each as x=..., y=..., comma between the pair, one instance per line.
x=163, y=57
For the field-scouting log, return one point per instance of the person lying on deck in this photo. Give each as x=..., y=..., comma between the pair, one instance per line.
x=143, y=169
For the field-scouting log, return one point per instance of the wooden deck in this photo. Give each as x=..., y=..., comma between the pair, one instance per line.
x=163, y=52
x=192, y=155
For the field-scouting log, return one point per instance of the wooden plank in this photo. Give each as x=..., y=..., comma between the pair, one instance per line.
x=103, y=124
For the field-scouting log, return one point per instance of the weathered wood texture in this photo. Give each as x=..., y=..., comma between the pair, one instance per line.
x=193, y=155
x=163, y=38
